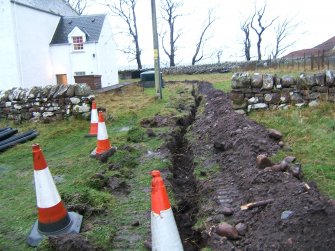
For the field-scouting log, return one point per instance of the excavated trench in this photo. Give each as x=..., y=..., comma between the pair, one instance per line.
x=183, y=180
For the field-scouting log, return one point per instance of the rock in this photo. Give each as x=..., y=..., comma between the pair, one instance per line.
x=296, y=171
x=286, y=215
x=287, y=81
x=289, y=159
x=277, y=167
x=82, y=90
x=240, y=111
x=262, y=161
x=274, y=134
x=241, y=80
x=330, y=78
x=219, y=145
x=75, y=100
x=47, y=114
x=256, y=80
x=227, y=230
x=267, y=82
x=253, y=100
x=319, y=78
x=313, y=103
x=61, y=91
x=241, y=228
x=226, y=211
x=281, y=143
x=70, y=91
x=135, y=224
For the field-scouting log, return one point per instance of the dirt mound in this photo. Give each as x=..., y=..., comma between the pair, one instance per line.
x=71, y=242
x=297, y=217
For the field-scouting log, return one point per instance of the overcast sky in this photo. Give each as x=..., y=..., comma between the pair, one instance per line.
x=315, y=18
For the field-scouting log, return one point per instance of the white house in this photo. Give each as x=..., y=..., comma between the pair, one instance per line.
x=46, y=42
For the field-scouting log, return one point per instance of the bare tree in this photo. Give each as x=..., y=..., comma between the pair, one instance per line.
x=200, y=44
x=170, y=14
x=125, y=9
x=283, y=30
x=245, y=27
x=261, y=28
x=77, y=5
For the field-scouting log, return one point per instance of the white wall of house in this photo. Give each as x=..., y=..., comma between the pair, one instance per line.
x=67, y=61
x=107, y=56
x=9, y=60
x=34, y=31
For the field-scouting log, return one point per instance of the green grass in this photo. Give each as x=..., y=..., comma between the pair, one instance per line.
x=310, y=132
x=109, y=218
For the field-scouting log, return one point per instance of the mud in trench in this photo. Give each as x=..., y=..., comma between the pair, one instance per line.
x=183, y=180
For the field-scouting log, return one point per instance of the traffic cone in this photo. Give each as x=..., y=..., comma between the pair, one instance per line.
x=94, y=121
x=103, y=143
x=164, y=231
x=53, y=218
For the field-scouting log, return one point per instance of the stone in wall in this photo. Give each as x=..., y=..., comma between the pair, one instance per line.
x=267, y=82
x=256, y=80
x=241, y=80
x=306, y=81
x=287, y=81
x=330, y=78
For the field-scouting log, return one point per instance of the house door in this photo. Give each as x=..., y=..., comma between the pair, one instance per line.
x=61, y=79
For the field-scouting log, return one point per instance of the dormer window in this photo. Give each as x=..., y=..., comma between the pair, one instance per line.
x=78, y=43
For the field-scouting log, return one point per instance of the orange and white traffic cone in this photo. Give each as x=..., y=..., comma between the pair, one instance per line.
x=94, y=121
x=103, y=143
x=164, y=231
x=53, y=218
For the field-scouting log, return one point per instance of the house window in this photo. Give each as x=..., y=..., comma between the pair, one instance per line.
x=79, y=73
x=78, y=43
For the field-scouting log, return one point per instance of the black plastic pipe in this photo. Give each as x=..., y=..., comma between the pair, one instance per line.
x=15, y=137
x=20, y=140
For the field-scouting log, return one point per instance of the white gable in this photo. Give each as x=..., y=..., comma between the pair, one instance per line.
x=76, y=32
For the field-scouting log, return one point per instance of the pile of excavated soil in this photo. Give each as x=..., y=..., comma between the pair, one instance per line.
x=297, y=216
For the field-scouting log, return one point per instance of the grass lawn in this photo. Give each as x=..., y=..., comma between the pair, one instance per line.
x=108, y=217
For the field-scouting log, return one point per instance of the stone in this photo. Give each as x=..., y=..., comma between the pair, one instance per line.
x=319, y=79
x=296, y=171
x=237, y=97
x=239, y=106
x=227, y=230
x=290, y=159
x=253, y=100
x=241, y=80
x=70, y=91
x=286, y=215
x=330, y=78
x=262, y=161
x=82, y=90
x=274, y=134
x=47, y=114
x=241, y=228
x=313, y=103
x=226, y=211
x=296, y=97
x=53, y=90
x=256, y=80
x=257, y=106
x=287, y=81
x=61, y=91
x=306, y=81
x=8, y=104
x=219, y=145
x=281, y=143
x=75, y=100
x=300, y=105
x=81, y=108
x=267, y=82
x=321, y=89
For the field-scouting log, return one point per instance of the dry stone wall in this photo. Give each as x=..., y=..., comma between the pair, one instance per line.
x=48, y=103
x=262, y=91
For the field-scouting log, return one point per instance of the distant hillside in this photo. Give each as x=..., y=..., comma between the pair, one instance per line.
x=328, y=47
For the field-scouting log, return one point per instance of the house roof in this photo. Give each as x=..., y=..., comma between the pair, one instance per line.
x=58, y=7
x=325, y=46
x=91, y=25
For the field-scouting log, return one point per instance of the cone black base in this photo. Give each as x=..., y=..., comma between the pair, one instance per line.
x=36, y=236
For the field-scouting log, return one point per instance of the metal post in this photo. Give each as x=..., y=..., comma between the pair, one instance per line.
x=158, y=83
